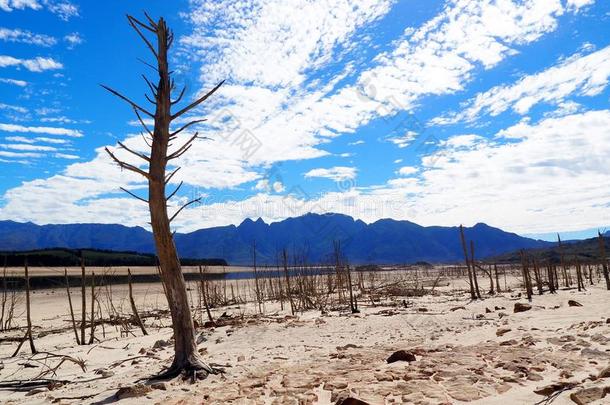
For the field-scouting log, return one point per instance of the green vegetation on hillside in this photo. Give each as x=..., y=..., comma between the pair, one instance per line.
x=60, y=257
x=586, y=251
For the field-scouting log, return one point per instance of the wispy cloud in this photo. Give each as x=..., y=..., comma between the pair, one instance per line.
x=38, y=64
x=10, y=5
x=41, y=130
x=26, y=37
x=337, y=173
x=20, y=83
x=583, y=75
x=73, y=40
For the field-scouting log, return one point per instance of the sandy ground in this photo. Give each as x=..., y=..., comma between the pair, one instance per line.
x=316, y=358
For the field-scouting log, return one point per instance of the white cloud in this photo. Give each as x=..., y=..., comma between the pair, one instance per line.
x=14, y=108
x=358, y=142
x=41, y=130
x=584, y=75
x=73, y=40
x=407, y=170
x=38, y=64
x=10, y=5
x=28, y=147
x=404, y=140
x=63, y=9
x=26, y=37
x=66, y=156
x=337, y=173
x=269, y=49
x=19, y=83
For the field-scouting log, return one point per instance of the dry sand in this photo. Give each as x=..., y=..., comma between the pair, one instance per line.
x=317, y=358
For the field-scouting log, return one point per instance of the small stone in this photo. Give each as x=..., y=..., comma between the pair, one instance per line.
x=241, y=358
x=159, y=344
x=351, y=401
x=133, y=391
x=554, y=387
x=510, y=342
x=488, y=311
x=502, y=331
x=521, y=307
x=159, y=386
x=497, y=308
x=588, y=395
x=605, y=373
x=456, y=308
x=401, y=355
x=573, y=303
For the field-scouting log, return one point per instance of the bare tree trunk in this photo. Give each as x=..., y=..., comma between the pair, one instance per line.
x=473, y=295
x=83, y=300
x=287, y=275
x=4, y=291
x=28, y=333
x=92, y=336
x=257, y=289
x=134, y=309
x=186, y=358
x=497, y=278
x=602, y=253
x=204, y=294
x=474, y=271
x=71, y=307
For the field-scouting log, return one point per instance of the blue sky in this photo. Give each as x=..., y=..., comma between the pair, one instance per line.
x=437, y=112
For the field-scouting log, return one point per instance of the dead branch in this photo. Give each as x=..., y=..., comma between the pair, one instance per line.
x=175, y=191
x=127, y=166
x=173, y=134
x=122, y=97
x=169, y=176
x=138, y=154
x=196, y=102
x=133, y=195
x=133, y=21
x=183, y=207
x=182, y=150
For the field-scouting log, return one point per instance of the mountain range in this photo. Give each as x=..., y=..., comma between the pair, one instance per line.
x=385, y=241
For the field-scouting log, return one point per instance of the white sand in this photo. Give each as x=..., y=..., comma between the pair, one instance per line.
x=312, y=358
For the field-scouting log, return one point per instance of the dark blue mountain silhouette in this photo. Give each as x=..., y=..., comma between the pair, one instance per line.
x=309, y=236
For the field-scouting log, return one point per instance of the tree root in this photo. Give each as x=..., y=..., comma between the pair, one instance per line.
x=193, y=368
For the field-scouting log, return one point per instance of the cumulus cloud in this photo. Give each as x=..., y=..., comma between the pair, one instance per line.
x=268, y=114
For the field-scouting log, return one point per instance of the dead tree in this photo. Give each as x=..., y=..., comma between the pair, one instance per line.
x=134, y=308
x=186, y=357
x=204, y=294
x=527, y=281
x=83, y=321
x=28, y=333
x=4, y=294
x=71, y=307
x=257, y=289
x=287, y=275
x=602, y=254
x=498, y=289
x=92, y=335
x=474, y=270
x=473, y=294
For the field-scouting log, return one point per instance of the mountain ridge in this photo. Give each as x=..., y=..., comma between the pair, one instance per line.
x=384, y=241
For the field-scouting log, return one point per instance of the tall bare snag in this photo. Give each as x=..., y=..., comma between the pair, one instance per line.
x=186, y=357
